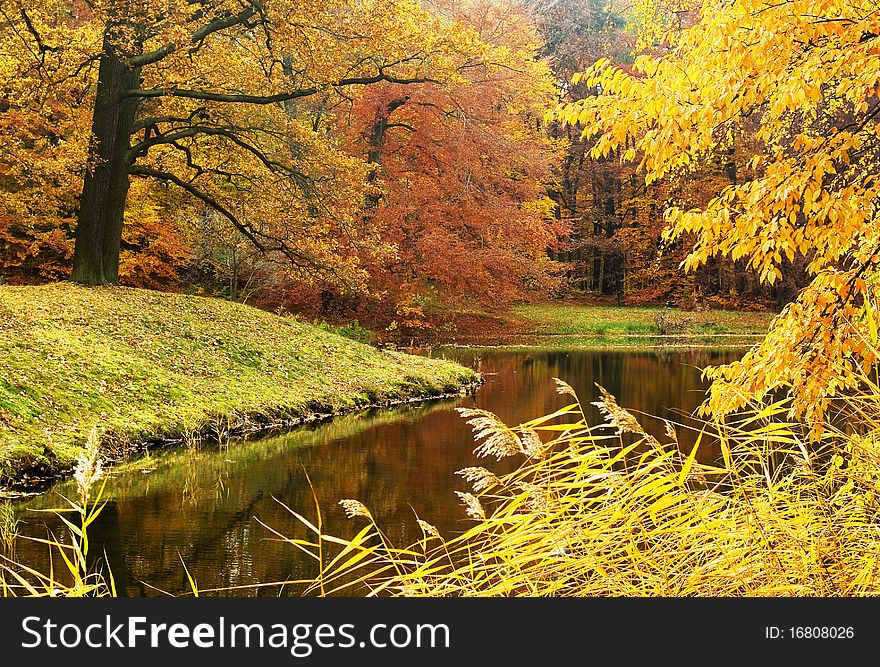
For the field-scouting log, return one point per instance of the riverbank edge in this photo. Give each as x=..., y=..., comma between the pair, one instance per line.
x=564, y=324
x=34, y=479
x=74, y=358
x=611, y=344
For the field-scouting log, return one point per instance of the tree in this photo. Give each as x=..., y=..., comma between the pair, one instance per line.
x=615, y=247
x=222, y=255
x=153, y=251
x=461, y=171
x=43, y=124
x=807, y=74
x=211, y=96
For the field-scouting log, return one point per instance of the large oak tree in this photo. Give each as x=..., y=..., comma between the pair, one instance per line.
x=221, y=98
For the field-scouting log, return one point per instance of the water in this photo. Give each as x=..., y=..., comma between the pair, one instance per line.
x=210, y=508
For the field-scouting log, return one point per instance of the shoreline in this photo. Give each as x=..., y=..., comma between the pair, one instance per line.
x=39, y=484
x=140, y=367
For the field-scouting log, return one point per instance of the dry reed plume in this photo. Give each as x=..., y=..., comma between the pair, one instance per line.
x=77, y=579
x=609, y=510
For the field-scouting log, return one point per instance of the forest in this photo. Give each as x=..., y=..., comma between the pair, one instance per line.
x=426, y=179
x=235, y=234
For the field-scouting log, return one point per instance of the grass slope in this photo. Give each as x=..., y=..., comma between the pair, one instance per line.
x=140, y=365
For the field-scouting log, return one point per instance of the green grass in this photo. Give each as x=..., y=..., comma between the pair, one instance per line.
x=140, y=365
x=567, y=324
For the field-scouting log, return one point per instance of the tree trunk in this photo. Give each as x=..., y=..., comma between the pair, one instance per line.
x=374, y=157
x=374, y=154
x=102, y=202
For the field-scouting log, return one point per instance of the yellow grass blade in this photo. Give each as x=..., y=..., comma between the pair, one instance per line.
x=689, y=462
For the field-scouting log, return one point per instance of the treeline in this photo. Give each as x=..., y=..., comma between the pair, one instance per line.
x=385, y=162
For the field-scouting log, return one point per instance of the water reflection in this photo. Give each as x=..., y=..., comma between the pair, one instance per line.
x=201, y=506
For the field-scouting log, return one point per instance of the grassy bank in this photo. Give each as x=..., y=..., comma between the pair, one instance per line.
x=141, y=365
x=569, y=324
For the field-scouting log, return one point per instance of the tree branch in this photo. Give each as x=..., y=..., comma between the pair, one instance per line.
x=147, y=121
x=269, y=99
x=36, y=35
x=231, y=134
x=138, y=170
x=296, y=258
x=197, y=37
x=405, y=126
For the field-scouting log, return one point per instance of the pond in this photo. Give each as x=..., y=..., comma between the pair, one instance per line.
x=205, y=506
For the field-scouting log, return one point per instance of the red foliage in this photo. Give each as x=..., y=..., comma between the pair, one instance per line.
x=461, y=175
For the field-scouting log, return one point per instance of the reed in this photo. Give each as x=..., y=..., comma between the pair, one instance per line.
x=8, y=528
x=78, y=577
x=610, y=510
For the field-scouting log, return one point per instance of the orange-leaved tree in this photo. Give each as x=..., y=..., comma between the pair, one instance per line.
x=807, y=73
x=462, y=170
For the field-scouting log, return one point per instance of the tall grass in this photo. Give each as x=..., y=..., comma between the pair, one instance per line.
x=8, y=528
x=610, y=510
x=79, y=578
x=595, y=510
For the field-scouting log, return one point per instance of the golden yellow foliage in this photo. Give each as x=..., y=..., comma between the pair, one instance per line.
x=803, y=78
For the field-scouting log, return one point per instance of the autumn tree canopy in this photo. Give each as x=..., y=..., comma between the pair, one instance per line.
x=807, y=74
x=220, y=98
x=462, y=170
